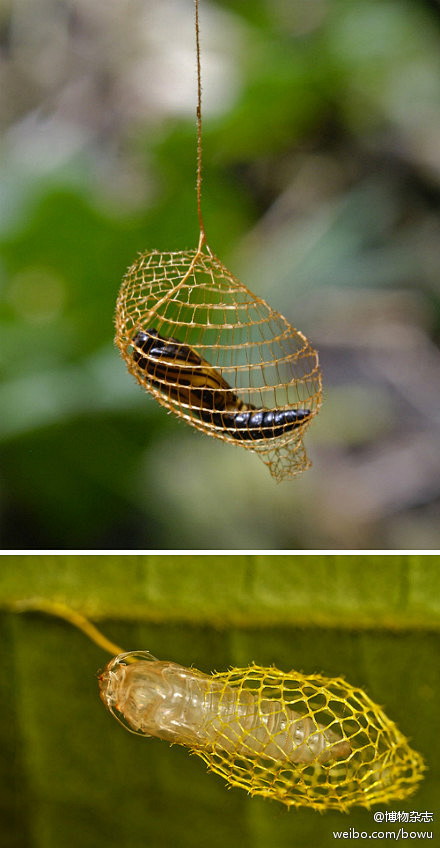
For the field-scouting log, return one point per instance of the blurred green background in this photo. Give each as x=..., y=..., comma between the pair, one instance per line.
x=321, y=192
x=71, y=776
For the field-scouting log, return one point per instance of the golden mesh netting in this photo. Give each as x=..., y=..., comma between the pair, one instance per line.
x=234, y=356
x=367, y=760
x=215, y=354
x=301, y=740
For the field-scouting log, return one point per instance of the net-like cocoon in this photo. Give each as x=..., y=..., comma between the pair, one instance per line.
x=218, y=356
x=303, y=740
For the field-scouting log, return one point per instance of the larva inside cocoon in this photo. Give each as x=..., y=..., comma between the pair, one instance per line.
x=302, y=740
x=222, y=355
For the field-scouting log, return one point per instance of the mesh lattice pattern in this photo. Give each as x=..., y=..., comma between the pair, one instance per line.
x=365, y=759
x=218, y=356
x=302, y=740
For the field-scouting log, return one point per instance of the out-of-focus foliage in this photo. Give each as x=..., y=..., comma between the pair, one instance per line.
x=71, y=776
x=396, y=591
x=321, y=191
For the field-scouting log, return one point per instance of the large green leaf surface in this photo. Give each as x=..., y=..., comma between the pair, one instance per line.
x=71, y=776
x=395, y=591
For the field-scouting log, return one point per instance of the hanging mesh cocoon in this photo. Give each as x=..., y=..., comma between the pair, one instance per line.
x=219, y=357
x=301, y=740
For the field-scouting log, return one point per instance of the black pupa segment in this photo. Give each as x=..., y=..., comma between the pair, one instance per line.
x=255, y=425
x=250, y=357
x=180, y=373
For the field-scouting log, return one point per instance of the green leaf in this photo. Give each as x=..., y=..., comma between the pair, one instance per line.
x=394, y=591
x=70, y=775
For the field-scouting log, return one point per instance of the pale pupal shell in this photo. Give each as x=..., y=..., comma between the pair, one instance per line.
x=302, y=740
